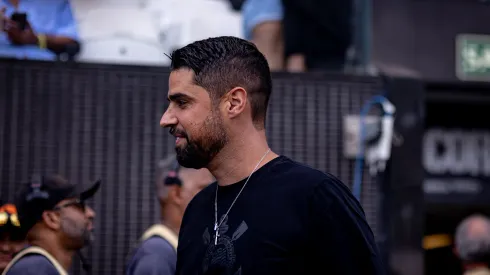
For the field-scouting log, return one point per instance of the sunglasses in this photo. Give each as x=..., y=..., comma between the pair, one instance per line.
x=8, y=213
x=76, y=203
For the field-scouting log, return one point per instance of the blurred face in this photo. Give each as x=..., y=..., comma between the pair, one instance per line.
x=193, y=181
x=76, y=222
x=9, y=245
x=194, y=122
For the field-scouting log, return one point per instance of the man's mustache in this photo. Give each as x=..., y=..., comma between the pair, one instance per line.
x=175, y=132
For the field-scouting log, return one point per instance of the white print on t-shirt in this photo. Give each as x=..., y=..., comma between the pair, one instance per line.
x=222, y=256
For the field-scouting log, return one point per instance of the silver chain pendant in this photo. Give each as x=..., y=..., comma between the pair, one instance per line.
x=216, y=233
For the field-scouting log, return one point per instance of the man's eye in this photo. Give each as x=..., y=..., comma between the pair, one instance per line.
x=181, y=102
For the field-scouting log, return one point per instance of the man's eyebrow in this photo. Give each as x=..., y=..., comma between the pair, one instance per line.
x=177, y=96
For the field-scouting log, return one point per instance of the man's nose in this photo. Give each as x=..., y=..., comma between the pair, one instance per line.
x=89, y=212
x=168, y=119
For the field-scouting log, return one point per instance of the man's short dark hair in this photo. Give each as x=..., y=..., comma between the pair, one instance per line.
x=223, y=63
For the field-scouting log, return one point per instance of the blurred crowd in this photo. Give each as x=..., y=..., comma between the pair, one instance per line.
x=43, y=231
x=51, y=220
x=42, y=30
x=294, y=35
x=300, y=35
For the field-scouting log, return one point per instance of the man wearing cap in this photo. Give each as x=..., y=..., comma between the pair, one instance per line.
x=57, y=223
x=156, y=253
x=11, y=237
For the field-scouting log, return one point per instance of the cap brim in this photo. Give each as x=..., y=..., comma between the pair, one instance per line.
x=87, y=194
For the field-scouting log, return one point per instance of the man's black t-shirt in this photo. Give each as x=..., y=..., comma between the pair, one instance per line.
x=289, y=219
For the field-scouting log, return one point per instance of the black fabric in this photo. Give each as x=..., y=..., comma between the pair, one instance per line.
x=319, y=29
x=289, y=219
x=90, y=192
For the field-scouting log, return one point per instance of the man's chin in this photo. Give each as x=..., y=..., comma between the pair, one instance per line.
x=191, y=162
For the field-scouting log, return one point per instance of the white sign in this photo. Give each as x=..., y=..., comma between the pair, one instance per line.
x=456, y=152
x=473, y=57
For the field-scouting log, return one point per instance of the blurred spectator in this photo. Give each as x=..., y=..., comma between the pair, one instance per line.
x=11, y=237
x=176, y=186
x=473, y=244
x=262, y=25
x=57, y=222
x=42, y=30
x=317, y=34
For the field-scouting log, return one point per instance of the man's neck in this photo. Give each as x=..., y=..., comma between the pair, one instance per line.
x=167, y=219
x=63, y=256
x=239, y=157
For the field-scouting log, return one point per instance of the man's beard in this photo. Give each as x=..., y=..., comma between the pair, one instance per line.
x=77, y=233
x=88, y=237
x=198, y=152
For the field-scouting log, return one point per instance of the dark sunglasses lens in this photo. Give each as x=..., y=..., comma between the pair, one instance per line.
x=78, y=204
x=82, y=205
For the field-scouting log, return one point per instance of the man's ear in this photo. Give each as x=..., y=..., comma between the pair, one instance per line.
x=174, y=194
x=236, y=101
x=51, y=219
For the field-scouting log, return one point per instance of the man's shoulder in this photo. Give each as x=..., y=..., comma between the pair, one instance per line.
x=156, y=245
x=33, y=259
x=288, y=170
x=32, y=264
x=286, y=175
x=153, y=256
x=298, y=178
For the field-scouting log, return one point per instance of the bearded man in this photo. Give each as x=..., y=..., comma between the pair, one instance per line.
x=57, y=222
x=266, y=214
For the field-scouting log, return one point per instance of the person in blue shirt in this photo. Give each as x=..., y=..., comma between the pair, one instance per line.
x=49, y=31
x=156, y=251
x=262, y=24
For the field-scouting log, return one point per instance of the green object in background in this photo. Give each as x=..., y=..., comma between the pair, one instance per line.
x=473, y=57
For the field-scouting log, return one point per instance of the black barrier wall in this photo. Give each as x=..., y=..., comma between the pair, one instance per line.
x=91, y=121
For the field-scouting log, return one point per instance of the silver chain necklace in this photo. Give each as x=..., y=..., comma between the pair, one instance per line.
x=216, y=224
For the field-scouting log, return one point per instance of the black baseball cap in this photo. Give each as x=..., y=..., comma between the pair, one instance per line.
x=43, y=192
